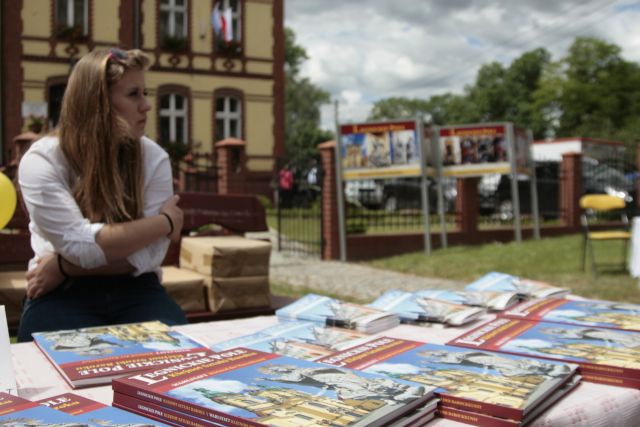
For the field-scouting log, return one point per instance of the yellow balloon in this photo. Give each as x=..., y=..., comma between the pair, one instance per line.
x=8, y=200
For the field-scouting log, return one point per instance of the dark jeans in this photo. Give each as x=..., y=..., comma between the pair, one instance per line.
x=99, y=301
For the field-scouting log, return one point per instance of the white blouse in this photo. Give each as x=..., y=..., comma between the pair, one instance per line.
x=56, y=222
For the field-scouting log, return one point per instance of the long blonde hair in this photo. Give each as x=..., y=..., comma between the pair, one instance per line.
x=107, y=164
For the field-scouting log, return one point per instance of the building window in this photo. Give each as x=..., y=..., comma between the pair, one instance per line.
x=173, y=119
x=227, y=26
x=228, y=117
x=173, y=24
x=72, y=19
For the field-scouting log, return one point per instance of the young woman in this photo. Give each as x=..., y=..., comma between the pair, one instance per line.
x=100, y=199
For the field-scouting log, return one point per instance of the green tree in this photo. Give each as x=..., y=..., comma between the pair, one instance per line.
x=302, y=109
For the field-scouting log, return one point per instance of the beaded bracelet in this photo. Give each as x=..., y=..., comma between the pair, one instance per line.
x=170, y=222
x=64, y=274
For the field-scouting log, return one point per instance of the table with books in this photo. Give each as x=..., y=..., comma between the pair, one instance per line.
x=553, y=391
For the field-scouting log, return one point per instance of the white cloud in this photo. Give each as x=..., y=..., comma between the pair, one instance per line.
x=379, y=49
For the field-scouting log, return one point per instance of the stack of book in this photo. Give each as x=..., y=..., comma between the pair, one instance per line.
x=333, y=312
x=605, y=355
x=416, y=309
x=244, y=387
x=476, y=387
x=94, y=356
x=604, y=314
x=494, y=301
x=525, y=288
x=302, y=340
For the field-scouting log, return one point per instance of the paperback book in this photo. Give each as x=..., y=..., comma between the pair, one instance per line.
x=415, y=309
x=7, y=377
x=504, y=388
x=525, y=288
x=244, y=387
x=301, y=340
x=333, y=312
x=604, y=314
x=96, y=413
x=94, y=356
x=605, y=356
x=18, y=412
x=495, y=301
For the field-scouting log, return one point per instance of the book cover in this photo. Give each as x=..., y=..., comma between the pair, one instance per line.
x=244, y=387
x=301, y=340
x=333, y=312
x=7, y=377
x=496, y=301
x=159, y=412
x=18, y=412
x=96, y=413
x=494, y=384
x=502, y=282
x=415, y=309
x=604, y=314
x=94, y=356
x=606, y=356
x=418, y=418
x=485, y=420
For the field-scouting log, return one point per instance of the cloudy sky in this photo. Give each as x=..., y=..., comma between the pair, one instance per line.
x=364, y=50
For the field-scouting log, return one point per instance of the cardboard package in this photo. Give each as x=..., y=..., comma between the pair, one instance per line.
x=13, y=288
x=185, y=287
x=225, y=256
x=237, y=292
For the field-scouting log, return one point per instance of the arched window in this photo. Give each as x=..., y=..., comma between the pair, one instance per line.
x=173, y=112
x=174, y=24
x=228, y=115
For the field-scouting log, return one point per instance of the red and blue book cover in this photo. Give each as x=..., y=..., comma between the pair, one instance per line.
x=244, y=387
x=606, y=356
x=500, y=388
x=603, y=314
x=19, y=412
x=96, y=413
x=94, y=356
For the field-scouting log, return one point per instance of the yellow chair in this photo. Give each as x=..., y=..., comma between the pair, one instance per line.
x=594, y=205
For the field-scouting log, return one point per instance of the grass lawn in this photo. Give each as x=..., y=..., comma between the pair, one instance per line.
x=553, y=260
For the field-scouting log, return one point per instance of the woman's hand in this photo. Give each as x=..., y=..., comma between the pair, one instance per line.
x=170, y=207
x=44, y=278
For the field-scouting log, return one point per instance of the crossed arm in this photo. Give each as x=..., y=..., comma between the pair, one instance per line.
x=67, y=242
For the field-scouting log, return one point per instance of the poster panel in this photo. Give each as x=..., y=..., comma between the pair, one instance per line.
x=473, y=150
x=380, y=150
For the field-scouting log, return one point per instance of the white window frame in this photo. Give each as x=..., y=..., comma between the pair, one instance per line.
x=71, y=14
x=173, y=114
x=170, y=7
x=227, y=116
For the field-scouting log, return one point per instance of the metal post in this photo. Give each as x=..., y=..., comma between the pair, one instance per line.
x=515, y=197
x=339, y=191
x=423, y=185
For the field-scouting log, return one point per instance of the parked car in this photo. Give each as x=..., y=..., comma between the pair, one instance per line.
x=399, y=193
x=597, y=178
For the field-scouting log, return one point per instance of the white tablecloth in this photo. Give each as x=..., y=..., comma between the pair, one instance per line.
x=589, y=405
x=634, y=251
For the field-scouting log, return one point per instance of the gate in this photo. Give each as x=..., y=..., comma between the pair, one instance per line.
x=299, y=210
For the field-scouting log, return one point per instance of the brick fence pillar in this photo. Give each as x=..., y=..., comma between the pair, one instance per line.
x=467, y=204
x=571, y=189
x=232, y=165
x=330, y=227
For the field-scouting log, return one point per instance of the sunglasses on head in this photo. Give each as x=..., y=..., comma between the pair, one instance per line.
x=118, y=54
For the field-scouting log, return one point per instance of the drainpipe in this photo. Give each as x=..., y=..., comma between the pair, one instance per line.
x=136, y=24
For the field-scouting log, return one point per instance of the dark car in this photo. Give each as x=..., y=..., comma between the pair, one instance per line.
x=597, y=178
x=399, y=194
